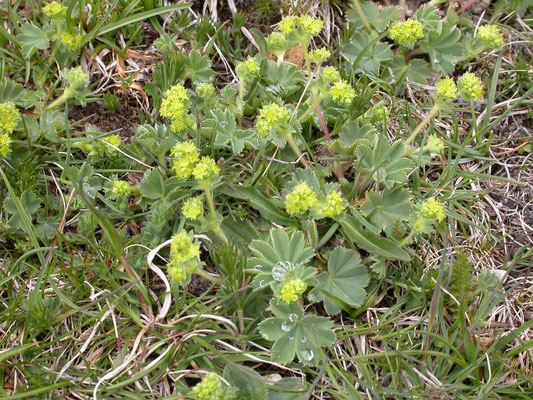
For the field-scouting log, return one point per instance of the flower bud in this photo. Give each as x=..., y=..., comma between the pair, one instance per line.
x=470, y=87
x=301, y=199
x=406, y=33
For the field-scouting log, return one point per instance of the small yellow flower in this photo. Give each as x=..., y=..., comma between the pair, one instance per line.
x=342, y=92
x=120, y=189
x=319, y=55
x=205, y=168
x=176, y=271
x=55, y=10
x=112, y=140
x=446, y=89
x=277, y=43
x=186, y=155
x=435, y=145
x=379, y=113
x=183, y=248
x=270, y=117
x=301, y=199
x=331, y=74
x=205, y=91
x=406, y=33
x=193, y=208
x=292, y=290
x=470, y=87
x=335, y=205
x=5, y=144
x=432, y=209
x=76, y=78
x=288, y=24
x=210, y=388
x=71, y=42
x=248, y=68
x=8, y=117
x=491, y=36
x=175, y=107
x=311, y=26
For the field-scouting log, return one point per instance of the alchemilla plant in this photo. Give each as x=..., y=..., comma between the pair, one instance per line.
x=209, y=206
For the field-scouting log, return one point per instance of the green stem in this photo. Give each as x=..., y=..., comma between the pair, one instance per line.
x=422, y=124
x=295, y=148
x=408, y=238
x=475, y=131
x=315, y=104
x=213, y=215
x=202, y=273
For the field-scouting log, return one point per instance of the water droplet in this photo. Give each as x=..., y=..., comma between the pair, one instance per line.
x=262, y=284
x=258, y=267
x=223, y=124
x=304, y=340
x=293, y=317
x=285, y=327
x=291, y=338
x=306, y=355
x=312, y=297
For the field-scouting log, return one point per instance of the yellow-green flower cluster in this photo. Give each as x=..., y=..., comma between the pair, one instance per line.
x=193, y=208
x=120, y=189
x=113, y=140
x=175, y=106
x=301, y=199
x=331, y=74
x=76, y=78
x=248, y=68
x=288, y=24
x=184, y=253
x=292, y=290
x=5, y=144
x=210, y=388
x=186, y=155
x=379, y=113
x=435, y=145
x=319, y=55
x=406, y=33
x=55, y=10
x=71, y=42
x=491, y=36
x=334, y=205
x=342, y=92
x=8, y=117
x=271, y=116
x=432, y=209
x=205, y=168
x=277, y=43
x=446, y=89
x=311, y=26
x=470, y=86
x=205, y=91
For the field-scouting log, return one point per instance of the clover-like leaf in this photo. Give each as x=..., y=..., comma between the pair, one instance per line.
x=373, y=15
x=416, y=71
x=384, y=209
x=29, y=202
x=296, y=334
x=372, y=59
x=249, y=384
x=384, y=162
x=352, y=135
x=198, y=67
x=429, y=17
x=344, y=280
x=223, y=124
x=443, y=47
x=32, y=39
x=279, y=258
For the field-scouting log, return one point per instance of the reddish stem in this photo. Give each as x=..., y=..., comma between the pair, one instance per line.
x=323, y=123
x=466, y=6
